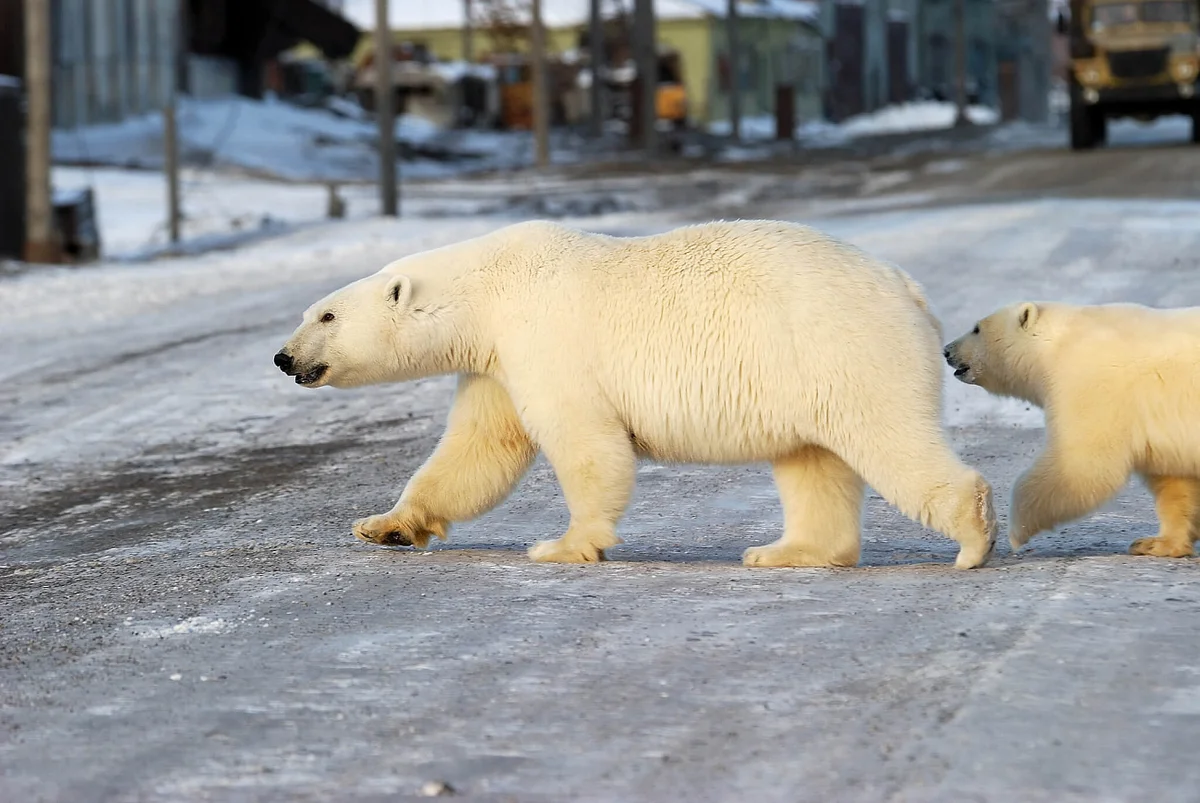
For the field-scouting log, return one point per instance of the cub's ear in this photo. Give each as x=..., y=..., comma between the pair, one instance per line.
x=399, y=291
x=1027, y=315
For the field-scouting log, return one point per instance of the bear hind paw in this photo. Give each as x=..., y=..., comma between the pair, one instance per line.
x=784, y=556
x=1161, y=547
x=561, y=550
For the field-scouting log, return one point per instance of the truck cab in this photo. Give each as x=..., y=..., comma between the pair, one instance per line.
x=1131, y=58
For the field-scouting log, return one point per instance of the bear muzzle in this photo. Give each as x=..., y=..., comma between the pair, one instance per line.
x=287, y=364
x=960, y=368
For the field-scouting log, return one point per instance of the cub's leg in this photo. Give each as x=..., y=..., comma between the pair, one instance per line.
x=822, y=510
x=482, y=455
x=1063, y=484
x=1177, y=500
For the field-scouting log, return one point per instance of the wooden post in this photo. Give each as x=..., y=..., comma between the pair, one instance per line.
x=170, y=128
x=596, y=46
x=468, y=44
x=960, y=64
x=735, y=73
x=541, y=114
x=385, y=112
x=646, y=58
x=40, y=242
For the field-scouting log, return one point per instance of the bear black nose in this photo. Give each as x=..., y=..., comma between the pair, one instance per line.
x=945, y=353
x=284, y=361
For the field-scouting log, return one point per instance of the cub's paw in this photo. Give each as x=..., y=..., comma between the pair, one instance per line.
x=562, y=551
x=405, y=527
x=1160, y=547
x=779, y=556
x=1019, y=537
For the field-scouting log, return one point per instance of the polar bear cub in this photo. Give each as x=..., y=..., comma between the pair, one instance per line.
x=1120, y=387
x=718, y=343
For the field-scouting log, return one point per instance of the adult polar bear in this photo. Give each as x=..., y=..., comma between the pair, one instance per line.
x=1121, y=392
x=718, y=343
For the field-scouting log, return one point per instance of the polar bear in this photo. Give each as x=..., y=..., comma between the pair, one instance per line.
x=1120, y=387
x=723, y=343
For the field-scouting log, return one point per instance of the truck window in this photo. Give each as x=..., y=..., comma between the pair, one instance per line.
x=1112, y=14
x=1166, y=11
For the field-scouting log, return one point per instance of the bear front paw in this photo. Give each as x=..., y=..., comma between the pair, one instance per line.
x=1161, y=547
x=407, y=527
x=1019, y=536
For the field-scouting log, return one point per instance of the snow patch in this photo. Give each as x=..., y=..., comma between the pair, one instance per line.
x=292, y=143
x=902, y=118
x=195, y=624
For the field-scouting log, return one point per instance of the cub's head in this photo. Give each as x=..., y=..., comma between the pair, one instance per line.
x=350, y=337
x=998, y=355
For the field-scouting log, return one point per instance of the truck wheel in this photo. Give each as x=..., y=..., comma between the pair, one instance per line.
x=1196, y=127
x=1083, y=129
x=1099, y=126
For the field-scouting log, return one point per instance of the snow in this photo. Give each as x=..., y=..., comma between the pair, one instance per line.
x=452, y=71
x=563, y=13
x=131, y=207
x=897, y=119
x=285, y=141
x=194, y=624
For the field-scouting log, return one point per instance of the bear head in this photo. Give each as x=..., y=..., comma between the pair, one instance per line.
x=365, y=333
x=999, y=354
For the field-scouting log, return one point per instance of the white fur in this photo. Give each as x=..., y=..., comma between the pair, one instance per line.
x=720, y=343
x=1120, y=387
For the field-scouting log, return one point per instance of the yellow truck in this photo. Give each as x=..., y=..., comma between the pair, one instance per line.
x=1131, y=58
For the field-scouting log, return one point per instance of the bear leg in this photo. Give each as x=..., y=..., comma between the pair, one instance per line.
x=1177, y=501
x=919, y=473
x=596, y=471
x=1063, y=484
x=822, y=501
x=482, y=455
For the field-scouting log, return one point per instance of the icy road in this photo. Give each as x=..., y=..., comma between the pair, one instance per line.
x=185, y=616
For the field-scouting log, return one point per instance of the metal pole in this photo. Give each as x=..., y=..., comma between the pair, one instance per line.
x=960, y=64
x=468, y=33
x=171, y=131
x=541, y=114
x=596, y=46
x=385, y=112
x=646, y=49
x=735, y=73
x=39, y=222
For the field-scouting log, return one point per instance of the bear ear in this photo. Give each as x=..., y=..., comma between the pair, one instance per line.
x=399, y=291
x=1027, y=315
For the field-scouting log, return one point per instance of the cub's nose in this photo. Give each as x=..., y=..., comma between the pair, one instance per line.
x=284, y=361
x=945, y=353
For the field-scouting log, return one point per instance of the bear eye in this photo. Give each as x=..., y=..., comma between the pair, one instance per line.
x=327, y=317
x=975, y=331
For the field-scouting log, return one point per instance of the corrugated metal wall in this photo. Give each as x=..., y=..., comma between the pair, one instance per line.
x=112, y=59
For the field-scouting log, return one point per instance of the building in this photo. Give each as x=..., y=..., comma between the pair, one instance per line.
x=936, y=62
x=780, y=39
x=117, y=58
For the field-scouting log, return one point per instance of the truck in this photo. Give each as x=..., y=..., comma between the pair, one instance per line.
x=1131, y=58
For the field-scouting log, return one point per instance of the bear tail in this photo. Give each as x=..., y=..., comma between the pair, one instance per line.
x=917, y=293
